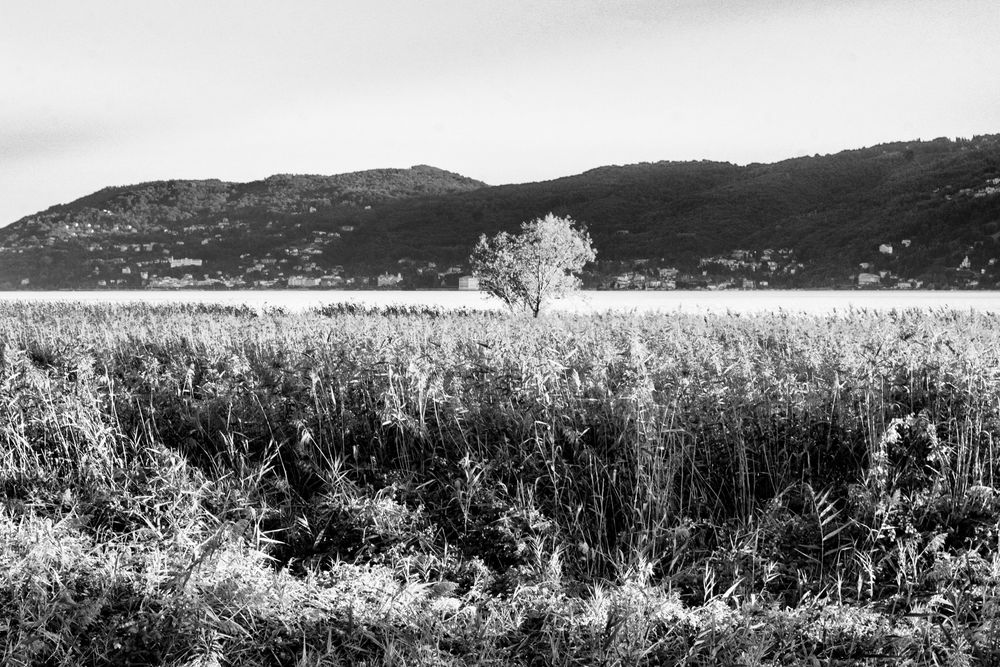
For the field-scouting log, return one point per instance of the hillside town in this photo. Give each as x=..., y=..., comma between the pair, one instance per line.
x=167, y=256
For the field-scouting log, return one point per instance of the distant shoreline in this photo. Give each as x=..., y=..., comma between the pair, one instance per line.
x=812, y=302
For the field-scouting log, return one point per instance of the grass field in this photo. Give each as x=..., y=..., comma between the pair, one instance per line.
x=217, y=486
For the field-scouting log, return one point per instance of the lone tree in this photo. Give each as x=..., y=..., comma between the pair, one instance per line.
x=529, y=269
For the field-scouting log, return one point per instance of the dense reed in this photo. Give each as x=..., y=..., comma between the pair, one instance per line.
x=200, y=485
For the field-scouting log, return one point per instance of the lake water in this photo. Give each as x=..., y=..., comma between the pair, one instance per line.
x=799, y=301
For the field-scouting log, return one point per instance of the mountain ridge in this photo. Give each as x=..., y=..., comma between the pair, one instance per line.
x=347, y=181
x=678, y=220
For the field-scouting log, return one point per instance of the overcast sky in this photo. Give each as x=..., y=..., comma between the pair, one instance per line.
x=110, y=92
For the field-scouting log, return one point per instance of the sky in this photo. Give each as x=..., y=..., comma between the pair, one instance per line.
x=112, y=92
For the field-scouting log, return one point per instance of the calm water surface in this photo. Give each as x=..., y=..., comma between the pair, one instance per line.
x=815, y=302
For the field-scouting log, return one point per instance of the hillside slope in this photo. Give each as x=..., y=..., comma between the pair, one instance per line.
x=832, y=211
x=936, y=203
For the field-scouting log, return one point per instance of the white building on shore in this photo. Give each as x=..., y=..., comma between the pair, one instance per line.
x=869, y=279
x=389, y=280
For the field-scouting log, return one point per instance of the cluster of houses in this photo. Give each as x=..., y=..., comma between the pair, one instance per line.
x=886, y=279
x=638, y=278
x=868, y=277
x=194, y=256
x=291, y=269
x=743, y=261
x=748, y=269
x=880, y=275
x=990, y=187
x=738, y=269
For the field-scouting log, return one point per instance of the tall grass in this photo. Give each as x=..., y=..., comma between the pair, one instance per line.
x=202, y=485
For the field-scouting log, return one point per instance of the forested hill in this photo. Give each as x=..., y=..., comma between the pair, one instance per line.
x=833, y=211
x=935, y=203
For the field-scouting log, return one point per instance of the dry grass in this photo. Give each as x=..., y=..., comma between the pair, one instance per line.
x=201, y=486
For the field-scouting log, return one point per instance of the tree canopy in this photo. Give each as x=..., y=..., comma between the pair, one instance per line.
x=540, y=264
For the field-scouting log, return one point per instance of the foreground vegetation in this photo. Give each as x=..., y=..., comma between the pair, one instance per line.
x=209, y=486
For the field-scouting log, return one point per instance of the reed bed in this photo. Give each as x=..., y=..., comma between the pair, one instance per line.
x=197, y=485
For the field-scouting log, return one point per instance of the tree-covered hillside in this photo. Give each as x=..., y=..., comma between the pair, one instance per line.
x=833, y=211
x=936, y=203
